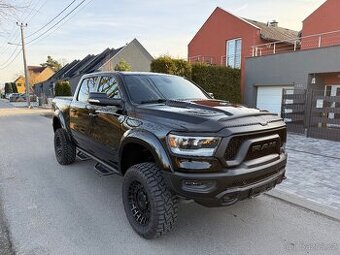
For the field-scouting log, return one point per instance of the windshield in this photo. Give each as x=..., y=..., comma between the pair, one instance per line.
x=157, y=88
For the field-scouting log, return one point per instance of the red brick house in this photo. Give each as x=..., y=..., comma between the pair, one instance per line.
x=323, y=20
x=302, y=85
x=225, y=39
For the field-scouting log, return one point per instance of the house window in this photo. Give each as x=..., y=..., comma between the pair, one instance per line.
x=233, y=56
x=19, y=84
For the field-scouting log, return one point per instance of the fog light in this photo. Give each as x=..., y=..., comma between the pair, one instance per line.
x=230, y=198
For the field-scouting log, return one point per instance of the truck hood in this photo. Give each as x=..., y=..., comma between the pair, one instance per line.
x=203, y=115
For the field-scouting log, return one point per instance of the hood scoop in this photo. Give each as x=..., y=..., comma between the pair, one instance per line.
x=197, y=108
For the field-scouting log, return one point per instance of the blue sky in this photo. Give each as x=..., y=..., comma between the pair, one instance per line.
x=163, y=26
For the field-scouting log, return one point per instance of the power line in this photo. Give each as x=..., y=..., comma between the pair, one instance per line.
x=15, y=35
x=60, y=23
x=48, y=23
x=51, y=31
x=36, y=11
x=68, y=14
x=9, y=63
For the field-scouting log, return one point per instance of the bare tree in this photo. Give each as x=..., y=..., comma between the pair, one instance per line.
x=6, y=9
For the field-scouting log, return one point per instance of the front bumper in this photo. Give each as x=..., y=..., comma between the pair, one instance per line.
x=227, y=187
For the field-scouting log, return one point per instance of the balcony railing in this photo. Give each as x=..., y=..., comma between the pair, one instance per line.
x=201, y=59
x=301, y=43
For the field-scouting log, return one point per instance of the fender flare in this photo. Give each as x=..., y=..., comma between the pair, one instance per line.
x=149, y=141
x=60, y=117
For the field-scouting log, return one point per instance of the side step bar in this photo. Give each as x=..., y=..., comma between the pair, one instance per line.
x=102, y=170
x=82, y=156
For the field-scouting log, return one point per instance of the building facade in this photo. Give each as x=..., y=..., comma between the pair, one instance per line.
x=225, y=39
x=133, y=53
x=36, y=74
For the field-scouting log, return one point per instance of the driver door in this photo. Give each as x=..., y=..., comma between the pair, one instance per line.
x=106, y=125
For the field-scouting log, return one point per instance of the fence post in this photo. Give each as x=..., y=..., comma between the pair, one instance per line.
x=309, y=103
x=319, y=41
x=295, y=45
x=274, y=49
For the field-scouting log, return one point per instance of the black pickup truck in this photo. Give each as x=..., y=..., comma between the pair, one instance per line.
x=171, y=141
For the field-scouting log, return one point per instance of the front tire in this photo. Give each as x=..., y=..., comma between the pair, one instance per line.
x=64, y=147
x=149, y=205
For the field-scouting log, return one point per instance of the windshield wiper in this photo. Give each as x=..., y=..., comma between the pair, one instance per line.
x=154, y=101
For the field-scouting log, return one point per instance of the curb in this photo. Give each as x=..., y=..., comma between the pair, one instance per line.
x=304, y=203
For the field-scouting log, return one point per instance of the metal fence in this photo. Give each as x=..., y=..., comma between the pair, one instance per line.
x=311, y=113
x=300, y=43
x=325, y=117
x=294, y=110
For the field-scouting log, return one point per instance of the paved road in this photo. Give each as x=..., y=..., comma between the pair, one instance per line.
x=53, y=209
x=4, y=103
x=313, y=170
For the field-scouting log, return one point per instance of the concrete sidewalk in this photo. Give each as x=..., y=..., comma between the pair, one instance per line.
x=313, y=170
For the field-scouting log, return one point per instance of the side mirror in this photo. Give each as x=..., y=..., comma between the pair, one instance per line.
x=101, y=99
x=211, y=95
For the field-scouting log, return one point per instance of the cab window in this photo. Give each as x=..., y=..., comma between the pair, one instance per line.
x=109, y=85
x=88, y=85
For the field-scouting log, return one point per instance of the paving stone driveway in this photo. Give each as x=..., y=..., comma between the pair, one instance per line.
x=313, y=170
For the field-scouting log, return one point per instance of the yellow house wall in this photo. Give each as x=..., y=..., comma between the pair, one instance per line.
x=34, y=78
x=20, y=84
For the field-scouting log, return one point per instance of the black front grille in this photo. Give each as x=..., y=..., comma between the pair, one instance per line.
x=236, y=142
x=264, y=148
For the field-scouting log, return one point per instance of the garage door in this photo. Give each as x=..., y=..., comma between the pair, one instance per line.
x=269, y=98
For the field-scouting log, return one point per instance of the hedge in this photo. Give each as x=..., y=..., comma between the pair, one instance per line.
x=169, y=65
x=63, y=88
x=223, y=81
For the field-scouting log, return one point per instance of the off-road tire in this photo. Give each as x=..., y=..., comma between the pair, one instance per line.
x=64, y=147
x=163, y=205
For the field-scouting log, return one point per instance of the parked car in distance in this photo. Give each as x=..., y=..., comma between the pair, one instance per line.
x=16, y=97
x=171, y=141
x=8, y=95
x=13, y=97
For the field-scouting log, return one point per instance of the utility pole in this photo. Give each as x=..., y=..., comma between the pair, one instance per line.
x=22, y=25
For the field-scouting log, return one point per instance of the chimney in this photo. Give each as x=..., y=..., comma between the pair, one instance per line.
x=273, y=23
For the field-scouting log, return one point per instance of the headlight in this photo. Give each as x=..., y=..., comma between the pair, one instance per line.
x=193, y=146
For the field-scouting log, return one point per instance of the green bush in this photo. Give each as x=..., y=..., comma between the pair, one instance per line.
x=8, y=88
x=14, y=87
x=223, y=81
x=169, y=65
x=123, y=66
x=63, y=88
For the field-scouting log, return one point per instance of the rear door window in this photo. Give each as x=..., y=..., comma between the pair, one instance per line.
x=109, y=85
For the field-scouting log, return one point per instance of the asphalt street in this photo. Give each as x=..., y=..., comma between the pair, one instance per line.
x=53, y=209
x=5, y=104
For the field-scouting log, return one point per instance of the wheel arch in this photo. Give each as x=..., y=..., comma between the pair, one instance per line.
x=58, y=121
x=149, y=142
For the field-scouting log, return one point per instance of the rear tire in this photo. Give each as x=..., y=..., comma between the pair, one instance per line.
x=64, y=147
x=149, y=205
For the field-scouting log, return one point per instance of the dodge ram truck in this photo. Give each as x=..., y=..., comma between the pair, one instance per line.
x=171, y=141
